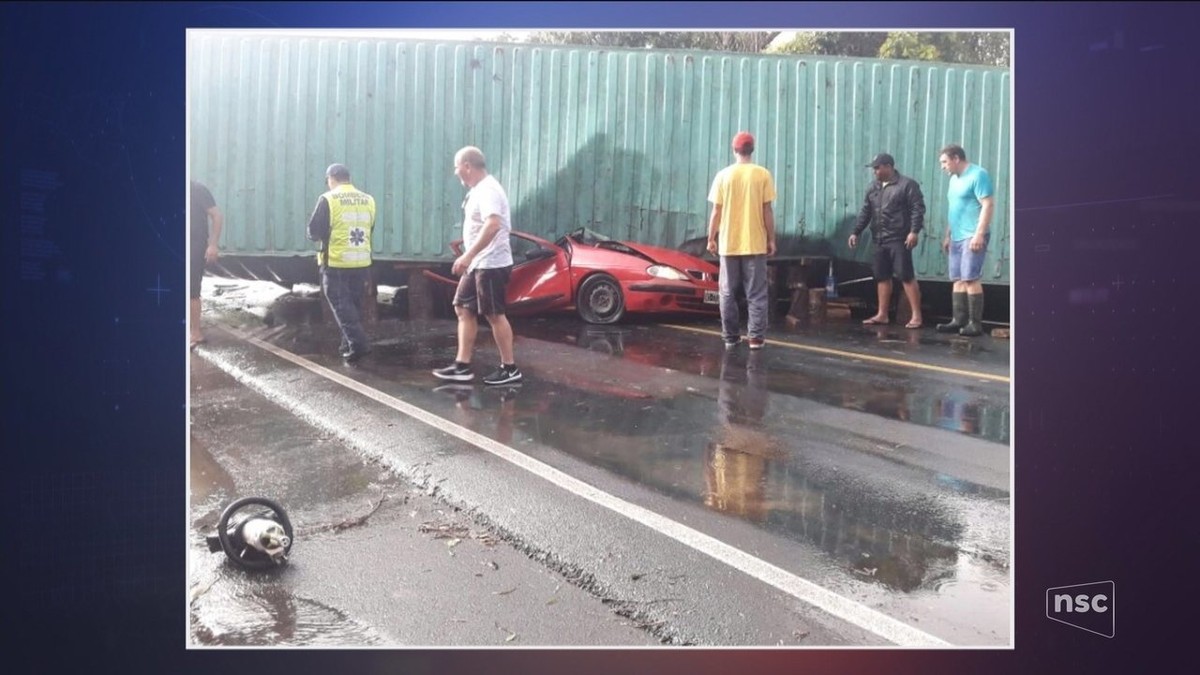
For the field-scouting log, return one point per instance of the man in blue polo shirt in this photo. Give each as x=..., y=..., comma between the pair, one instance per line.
x=970, y=215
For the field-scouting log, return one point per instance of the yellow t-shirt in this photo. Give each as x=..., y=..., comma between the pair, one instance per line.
x=741, y=190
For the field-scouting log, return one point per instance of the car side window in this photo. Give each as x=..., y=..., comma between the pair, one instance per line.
x=524, y=250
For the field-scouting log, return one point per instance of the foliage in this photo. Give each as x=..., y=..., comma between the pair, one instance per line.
x=977, y=48
x=834, y=43
x=988, y=48
x=747, y=41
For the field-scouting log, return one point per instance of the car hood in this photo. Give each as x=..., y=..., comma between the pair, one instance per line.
x=667, y=256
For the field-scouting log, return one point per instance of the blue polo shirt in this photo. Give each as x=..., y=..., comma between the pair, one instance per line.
x=964, y=195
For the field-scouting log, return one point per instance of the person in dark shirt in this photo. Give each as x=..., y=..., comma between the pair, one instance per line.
x=205, y=224
x=894, y=209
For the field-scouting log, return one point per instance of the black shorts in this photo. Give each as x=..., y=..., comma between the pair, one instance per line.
x=197, y=272
x=893, y=259
x=483, y=290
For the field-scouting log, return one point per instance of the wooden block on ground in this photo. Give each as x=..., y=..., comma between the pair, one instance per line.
x=799, y=309
x=817, y=305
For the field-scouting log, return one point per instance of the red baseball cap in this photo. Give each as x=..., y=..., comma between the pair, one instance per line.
x=743, y=139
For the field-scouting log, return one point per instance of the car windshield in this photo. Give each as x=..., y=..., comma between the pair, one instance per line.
x=585, y=237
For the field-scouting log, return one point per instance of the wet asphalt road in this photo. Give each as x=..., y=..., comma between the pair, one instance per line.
x=377, y=561
x=873, y=462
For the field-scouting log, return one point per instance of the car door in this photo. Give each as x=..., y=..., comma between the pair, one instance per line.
x=541, y=277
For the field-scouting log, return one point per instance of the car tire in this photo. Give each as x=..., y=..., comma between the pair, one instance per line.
x=600, y=300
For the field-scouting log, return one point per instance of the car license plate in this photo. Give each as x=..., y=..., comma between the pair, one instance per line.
x=711, y=297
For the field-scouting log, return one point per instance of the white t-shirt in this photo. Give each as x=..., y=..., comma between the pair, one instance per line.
x=486, y=199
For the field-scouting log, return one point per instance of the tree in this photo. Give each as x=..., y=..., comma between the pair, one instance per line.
x=993, y=49
x=834, y=43
x=746, y=41
x=990, y=48
x=980, y=48
x=987, y=49
x=914, y=47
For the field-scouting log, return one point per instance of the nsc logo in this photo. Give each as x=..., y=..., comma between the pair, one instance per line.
x=1085, y=606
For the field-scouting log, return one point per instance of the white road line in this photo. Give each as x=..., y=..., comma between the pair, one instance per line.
x=856, y=613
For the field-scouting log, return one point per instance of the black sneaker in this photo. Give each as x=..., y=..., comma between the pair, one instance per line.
x=504, y=375
x=458, y=372
x=732, y=343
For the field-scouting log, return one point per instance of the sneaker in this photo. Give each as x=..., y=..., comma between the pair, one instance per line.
x=757, y=343
x=458, y=372
x=353, y=356
x=504, y=375
x=732, y=343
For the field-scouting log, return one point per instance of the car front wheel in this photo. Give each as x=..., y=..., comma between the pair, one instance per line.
x=600, y=300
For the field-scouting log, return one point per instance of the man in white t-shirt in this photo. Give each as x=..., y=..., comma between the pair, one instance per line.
x=485, y=266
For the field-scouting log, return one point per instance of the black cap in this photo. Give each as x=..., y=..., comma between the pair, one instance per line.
x=338, y=172
x=881, y=159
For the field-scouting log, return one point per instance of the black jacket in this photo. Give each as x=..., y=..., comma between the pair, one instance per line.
x=892, y=211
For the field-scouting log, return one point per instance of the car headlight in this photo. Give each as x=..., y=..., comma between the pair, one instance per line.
x=664, y=272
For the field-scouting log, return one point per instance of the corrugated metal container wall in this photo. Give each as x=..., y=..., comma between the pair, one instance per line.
x=625, y=142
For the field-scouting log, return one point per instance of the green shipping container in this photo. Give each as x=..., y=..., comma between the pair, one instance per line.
x=622, y=141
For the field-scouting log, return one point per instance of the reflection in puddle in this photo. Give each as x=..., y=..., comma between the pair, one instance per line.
x=885, y=531
x=883, y=540
x=736, y=463
x=947, y=405
x=735, y=482
x=229, y=614
x=741, y=449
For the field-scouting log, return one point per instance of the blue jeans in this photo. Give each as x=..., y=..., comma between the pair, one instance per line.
x=344, y=289
x=748, y=272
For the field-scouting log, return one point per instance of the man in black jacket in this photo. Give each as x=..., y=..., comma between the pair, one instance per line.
x=895, y=210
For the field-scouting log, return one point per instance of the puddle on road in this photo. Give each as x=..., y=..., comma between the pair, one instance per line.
x=736, y=451
x=677, y=418
x=241, y=614
x=723, y=440
x=943, y=404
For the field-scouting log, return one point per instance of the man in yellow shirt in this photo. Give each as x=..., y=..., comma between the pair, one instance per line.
x=742, y=232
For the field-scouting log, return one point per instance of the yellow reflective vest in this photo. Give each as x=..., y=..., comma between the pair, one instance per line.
x=351, y=219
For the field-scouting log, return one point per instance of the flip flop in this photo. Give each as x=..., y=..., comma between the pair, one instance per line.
x=913, y=324
x=874, y=322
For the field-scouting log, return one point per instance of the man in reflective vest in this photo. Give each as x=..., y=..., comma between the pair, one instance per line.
x=342, y=222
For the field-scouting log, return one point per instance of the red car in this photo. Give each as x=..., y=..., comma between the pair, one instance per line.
x=602, y=278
